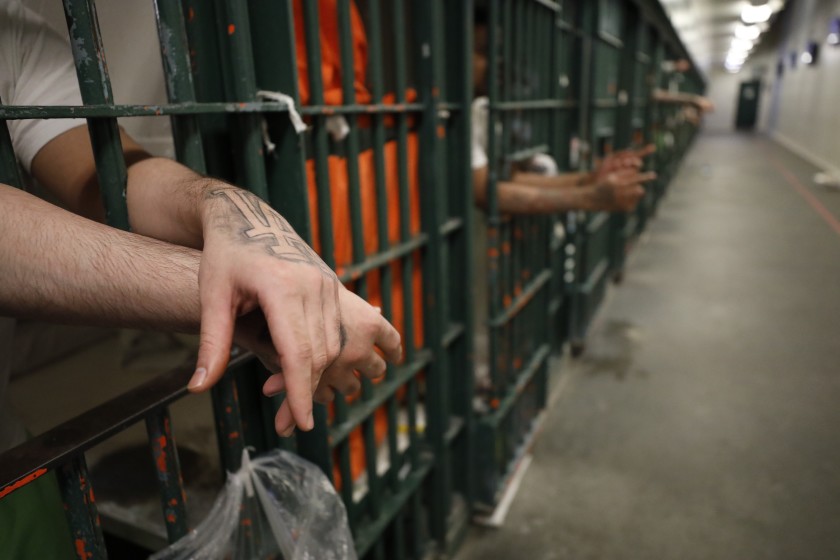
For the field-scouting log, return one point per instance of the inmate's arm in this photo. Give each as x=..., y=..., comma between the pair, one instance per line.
x=619, y=191
x=60, y=267
x=252, y=260
x=615, y=161
x=701, y=103
x=561, y=181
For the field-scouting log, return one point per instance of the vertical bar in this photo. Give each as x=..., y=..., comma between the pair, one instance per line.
x=95, y=87
x=325, y=229
x=407, y=265
x=9, y=171
x=435, y=309
x=80, y=508
x=168, y=469
x=459, y=22
x=230, y=434
x=179, y=82
x=386, y=272
x=275, y=56
x=494, y=224
x=240, y=81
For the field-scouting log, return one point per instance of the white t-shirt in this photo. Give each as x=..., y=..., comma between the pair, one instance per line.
x=480, y=116
x=36, y=68
x=543, y=164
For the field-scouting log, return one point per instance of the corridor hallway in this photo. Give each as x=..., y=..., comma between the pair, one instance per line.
x=703, y=422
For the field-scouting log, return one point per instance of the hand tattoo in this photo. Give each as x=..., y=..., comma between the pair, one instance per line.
x=263, y=225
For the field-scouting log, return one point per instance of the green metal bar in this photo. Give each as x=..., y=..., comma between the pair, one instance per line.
x=316, y=86
x=407, y=267
x=493, y=232
x=386, y=273
x=80, y=508
x=18, y=112
x=240, y=83
x=322, y=184
x=379, y=395
x=168, y=469
x=374, y=499
x=523, y=299
x=370, y=535
x=179, y=84
x=524, y=377
x=9, y=171
x=428, y=24
x=275, y=56
x=95, y=87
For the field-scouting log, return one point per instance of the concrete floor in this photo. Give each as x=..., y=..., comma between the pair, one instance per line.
x=704, y=420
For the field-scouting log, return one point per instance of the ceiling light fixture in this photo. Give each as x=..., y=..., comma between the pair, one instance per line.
x=744, y=45
x=748, y=32
x=756, y=14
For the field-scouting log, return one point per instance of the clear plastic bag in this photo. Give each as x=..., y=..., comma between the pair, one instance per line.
x=276, y=506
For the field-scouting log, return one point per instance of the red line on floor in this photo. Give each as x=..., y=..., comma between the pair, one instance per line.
x=803, y=191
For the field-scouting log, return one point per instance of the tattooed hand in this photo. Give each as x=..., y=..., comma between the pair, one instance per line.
x=253, y=262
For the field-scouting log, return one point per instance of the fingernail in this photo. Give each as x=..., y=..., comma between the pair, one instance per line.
x=400, y=351
x=289, y=432
x=378, y=310
x=198, y=378
x=310, y=422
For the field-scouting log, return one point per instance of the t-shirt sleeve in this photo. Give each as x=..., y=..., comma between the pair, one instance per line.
x=479, y=133
x=44, y=74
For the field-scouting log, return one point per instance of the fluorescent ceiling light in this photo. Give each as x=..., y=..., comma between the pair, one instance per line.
x=806, y=58
x=744, y=45
x=748, y=32
x=756, y=14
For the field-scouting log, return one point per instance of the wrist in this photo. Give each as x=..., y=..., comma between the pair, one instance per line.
x=586, y=178
x=211, y=208
x=587, y=199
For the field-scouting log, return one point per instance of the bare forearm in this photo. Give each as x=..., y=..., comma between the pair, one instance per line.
x=516, y=198
x=563, y=181
x=664, y=96
x=519, y=198
x=165, y=199
x=63, y=268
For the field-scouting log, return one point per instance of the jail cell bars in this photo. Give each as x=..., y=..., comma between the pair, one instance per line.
x=380, y=184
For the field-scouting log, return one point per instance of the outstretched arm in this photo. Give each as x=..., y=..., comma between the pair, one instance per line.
x=61, y=267
x=698, y=101
x=617, y=191
x=562, y=181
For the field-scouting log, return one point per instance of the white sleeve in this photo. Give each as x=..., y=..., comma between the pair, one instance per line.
x=479, y=133
x=43, y=74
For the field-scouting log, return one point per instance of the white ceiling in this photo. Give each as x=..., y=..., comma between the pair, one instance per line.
x=707, y=26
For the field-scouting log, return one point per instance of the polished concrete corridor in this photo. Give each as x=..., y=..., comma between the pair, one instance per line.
x=704, y=420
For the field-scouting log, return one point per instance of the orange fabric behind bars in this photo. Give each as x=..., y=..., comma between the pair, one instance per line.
x=340, y=188
x=331, y=53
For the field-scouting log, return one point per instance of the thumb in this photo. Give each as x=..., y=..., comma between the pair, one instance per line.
x=217, y=320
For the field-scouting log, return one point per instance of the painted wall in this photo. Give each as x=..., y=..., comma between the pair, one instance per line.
x=723, y=92
x=800, y=108
x=808, y=97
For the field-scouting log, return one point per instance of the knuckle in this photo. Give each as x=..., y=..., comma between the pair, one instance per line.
x=303, y=353
x=320, y=362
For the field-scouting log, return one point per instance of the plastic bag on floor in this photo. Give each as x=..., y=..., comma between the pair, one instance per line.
x=276, y=506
